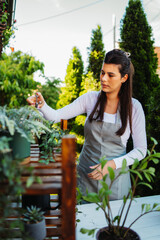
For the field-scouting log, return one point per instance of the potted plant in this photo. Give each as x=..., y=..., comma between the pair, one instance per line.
x=22, y=125
x=34, y=223
x=10, y=191
x=47, y=142
x=50, y=140
x=142, y=174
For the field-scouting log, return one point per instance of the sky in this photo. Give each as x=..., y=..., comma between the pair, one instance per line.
x=49, y=29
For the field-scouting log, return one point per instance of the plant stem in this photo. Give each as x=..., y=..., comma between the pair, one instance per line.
x=133, y=191
x=123, y=209
x=136, y=220
x=107, y=217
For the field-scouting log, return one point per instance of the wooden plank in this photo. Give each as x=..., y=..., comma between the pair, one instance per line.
x=44, y=172
x=63, y=124
x=53, y=213
x=53, y=222
x=38, y=189
x=54, y=232
x=46, y=179
x=68, y=187
x=38, y=165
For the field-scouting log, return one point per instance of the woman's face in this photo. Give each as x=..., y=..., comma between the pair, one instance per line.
x=111, y=80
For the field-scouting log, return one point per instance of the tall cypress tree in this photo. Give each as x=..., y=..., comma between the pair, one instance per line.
x=136, y=38
x=73, y=79
x=90, y=80
x=96, y=53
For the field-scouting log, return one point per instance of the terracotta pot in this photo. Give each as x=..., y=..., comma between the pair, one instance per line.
x=102, y=235
x=36, y=231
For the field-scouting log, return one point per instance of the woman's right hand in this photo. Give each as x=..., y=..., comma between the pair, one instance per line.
x=40, y=100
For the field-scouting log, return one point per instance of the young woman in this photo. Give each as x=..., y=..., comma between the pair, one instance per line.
x=112, y=115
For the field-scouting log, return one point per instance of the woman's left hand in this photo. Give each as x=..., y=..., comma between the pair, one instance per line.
x=98, y=172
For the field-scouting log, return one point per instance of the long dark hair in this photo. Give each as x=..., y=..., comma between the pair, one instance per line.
x=121, y=59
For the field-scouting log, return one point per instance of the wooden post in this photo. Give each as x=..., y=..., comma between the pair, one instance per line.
x=68, y=187
x=63, y=124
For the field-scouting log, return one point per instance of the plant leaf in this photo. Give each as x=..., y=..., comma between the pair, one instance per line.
x=88, y=231
x=135, y=164
x=30, y=180
x=145, y=184
x=154, y=140
x=111, y=173
x=137, y=173
x=92, y=197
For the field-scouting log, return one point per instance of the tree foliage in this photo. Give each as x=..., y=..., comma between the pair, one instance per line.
x=16, y=78
x=73, y=79
x=90, y=80
x=136, y=38
x=89, y=83
x=96, y=53
x=51, y=90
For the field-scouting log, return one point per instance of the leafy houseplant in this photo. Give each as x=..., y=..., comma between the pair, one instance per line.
x=10, y=191
x=23, y=124
x=140, y=172
x=49, y=140
x=34, y=223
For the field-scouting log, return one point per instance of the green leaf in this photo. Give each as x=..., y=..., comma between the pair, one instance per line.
x=147, y=176
x=38, y=179
x=144, y=165
x=151, y=170
x=133, y=179
x=10, y=125
x=108, y=192
x=104, y=185
x=156, y=155
x=135, y=164
x=142, y=207
x=29, y=182
x=124, y=199
x=145, y=184
x=105, y=177
x=155, y=160
x=104, y=203
x=103, y=162
x=154, y=140
x=155, y=205
x=116, y=218
x=158, y=208
x=92, y=197
x=137, y=173
x=148, y=152
x=87, y=231
x=124, y=164
x=148, y=207
x=111, y=173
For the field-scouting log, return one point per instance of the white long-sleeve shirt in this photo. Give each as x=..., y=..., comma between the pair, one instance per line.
x=86, y=103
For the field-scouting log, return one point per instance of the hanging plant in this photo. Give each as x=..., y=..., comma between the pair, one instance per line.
x=6, y=32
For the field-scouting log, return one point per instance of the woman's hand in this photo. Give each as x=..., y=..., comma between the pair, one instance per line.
x=40, y=100
x=98, y=172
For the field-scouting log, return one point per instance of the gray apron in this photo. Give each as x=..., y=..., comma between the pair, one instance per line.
x=101, y=140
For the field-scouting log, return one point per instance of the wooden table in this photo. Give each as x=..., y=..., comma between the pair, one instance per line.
x=148, y=227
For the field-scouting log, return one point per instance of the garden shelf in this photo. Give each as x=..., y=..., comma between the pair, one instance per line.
x=58, y=180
